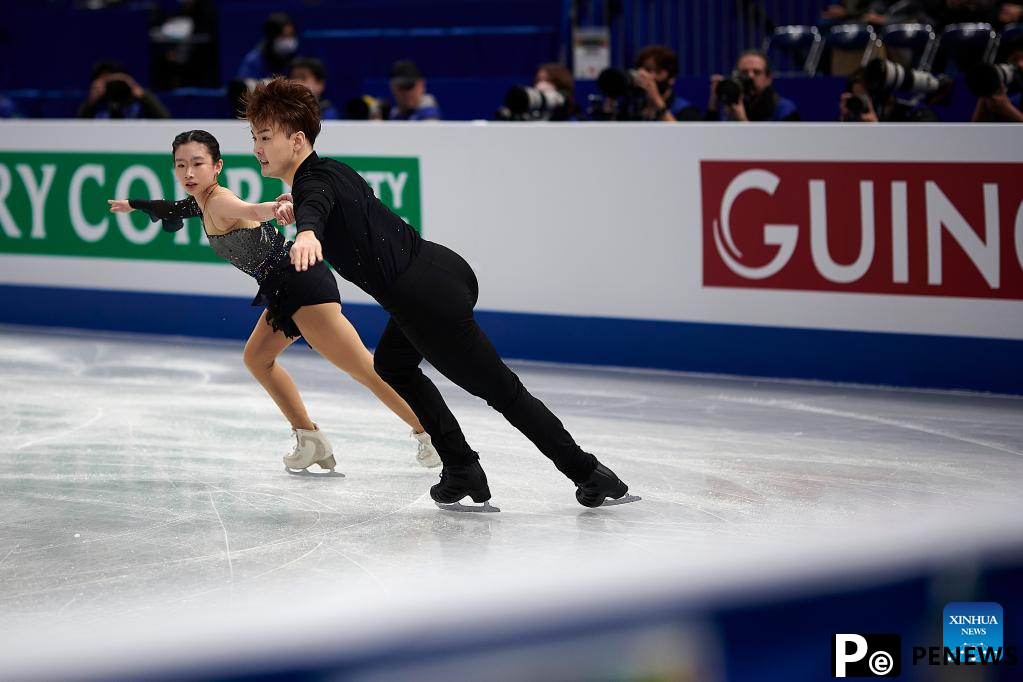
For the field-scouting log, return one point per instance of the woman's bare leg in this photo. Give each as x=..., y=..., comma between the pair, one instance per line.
x=333, y=336
x=260, y=355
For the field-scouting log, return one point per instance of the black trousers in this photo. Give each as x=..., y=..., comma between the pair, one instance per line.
x=431, y=306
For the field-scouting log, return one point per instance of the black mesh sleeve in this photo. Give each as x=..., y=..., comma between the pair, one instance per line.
x=172, y=213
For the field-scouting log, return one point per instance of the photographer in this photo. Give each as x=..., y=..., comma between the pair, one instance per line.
x=115, y=94
x=645, y=93
x=551, y=97
x=656, y=71
x=856, y=105
x=1000, y=106
x=748, y=95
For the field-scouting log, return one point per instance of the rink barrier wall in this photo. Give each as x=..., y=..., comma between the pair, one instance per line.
x=877, y=254
x=907, y=360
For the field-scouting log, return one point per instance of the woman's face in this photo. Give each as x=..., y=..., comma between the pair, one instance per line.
x=194, y=167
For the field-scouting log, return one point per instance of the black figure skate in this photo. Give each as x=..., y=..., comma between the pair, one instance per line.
x=458, y=482
x=601, y=485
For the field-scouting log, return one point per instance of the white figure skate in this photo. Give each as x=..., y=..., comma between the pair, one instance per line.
x=427, y=455
x=311, y=447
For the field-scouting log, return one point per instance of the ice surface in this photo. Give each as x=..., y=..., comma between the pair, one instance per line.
x=143, y=477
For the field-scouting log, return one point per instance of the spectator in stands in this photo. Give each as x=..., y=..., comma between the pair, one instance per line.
x=1010, y=13
x=115, y=94
x=271, y=56
x=411, y=100
x=759, y=101
x=1002, y=107
x=876, y=12
x=312, y=74
x=657, y=70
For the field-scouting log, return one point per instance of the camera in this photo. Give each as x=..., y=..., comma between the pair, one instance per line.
x=118, y=97
x=730, y=90
x=883, y=76
x=984, y=80
x=366, y=108
x=857, y=105
x=527, y=103
x=618, y=82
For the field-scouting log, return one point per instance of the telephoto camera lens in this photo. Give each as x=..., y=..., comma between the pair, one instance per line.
x=984, y=80
x=522, y=100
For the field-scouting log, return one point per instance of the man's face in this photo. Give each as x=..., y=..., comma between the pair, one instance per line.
x=274, y=149
x=755, y=68
x=408, y=98
x=307, y=78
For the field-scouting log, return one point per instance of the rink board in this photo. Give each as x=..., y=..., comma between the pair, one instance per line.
x=884, y=254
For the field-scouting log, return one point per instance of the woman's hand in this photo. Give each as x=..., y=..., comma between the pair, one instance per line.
x=120, y=206
x=306, y=251
x=284, y=212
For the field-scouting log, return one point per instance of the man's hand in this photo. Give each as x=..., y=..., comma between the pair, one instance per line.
x=869, y=116
x=306, y=251
x=737, y=111
x=285, y=197
x=712, y=103
x=649, y=85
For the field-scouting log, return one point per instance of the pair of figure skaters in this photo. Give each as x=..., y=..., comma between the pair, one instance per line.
x=428, y=290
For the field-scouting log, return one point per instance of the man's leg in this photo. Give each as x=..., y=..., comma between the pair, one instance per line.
x=461, y=351
x=397, y=362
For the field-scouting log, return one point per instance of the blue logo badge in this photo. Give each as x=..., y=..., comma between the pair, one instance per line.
x=975, y=627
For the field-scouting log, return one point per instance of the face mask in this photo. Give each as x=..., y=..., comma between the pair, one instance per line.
x=285, y=46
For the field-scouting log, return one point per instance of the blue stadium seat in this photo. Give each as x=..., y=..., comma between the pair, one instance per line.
x=920, y=38
x=855, y=37
x=798, y=40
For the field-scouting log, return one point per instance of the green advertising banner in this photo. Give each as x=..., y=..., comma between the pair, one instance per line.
x=55, y=203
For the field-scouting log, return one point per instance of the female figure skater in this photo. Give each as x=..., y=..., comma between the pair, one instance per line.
x=305, y=303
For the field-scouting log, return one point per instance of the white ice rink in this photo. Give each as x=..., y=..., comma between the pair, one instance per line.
x=141, y=484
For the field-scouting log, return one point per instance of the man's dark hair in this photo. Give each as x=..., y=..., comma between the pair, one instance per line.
x=285, y=104
x=200, y=136
x=663, y=56
x=106, y=66
x=315, y=67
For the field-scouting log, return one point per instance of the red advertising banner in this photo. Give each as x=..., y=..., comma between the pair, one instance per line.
x=922, y=229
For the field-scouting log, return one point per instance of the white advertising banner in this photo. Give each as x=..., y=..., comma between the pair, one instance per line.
x=886, y=228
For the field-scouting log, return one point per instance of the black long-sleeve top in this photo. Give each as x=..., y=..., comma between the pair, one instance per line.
x=361, y=237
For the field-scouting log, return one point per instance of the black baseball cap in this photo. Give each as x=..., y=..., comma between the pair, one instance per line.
x=405, y=74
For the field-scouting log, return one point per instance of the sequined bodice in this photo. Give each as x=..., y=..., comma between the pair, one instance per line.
x=256, y=251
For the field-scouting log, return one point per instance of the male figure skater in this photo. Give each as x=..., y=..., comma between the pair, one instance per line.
x=429, y=292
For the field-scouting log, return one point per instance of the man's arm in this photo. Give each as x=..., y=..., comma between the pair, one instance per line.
x=314, y=198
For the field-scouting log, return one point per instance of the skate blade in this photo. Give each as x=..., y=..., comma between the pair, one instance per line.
x=311, y=474
x=485, y=508
x=624, y=499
